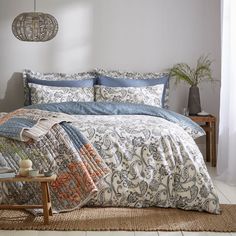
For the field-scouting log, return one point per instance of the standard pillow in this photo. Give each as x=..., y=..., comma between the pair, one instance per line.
x=49, y=94
x=149, y=95
x=134, y=79
x=114, y=82
x=78, y=80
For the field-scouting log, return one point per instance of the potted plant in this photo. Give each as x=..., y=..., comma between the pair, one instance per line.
x=193, y=77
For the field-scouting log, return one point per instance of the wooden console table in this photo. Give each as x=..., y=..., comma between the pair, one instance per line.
x=46, y=200
x=208, y=123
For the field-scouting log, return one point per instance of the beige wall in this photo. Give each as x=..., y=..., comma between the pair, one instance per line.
x=139, y=35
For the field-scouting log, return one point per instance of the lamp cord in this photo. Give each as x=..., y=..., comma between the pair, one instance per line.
x=34, y=5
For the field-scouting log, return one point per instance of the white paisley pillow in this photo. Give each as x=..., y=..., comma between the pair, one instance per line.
x=82, y=79
x=149, y=95
x=50, y=94
x=137, y=76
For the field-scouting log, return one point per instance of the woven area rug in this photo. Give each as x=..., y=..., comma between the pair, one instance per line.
x=147, y=219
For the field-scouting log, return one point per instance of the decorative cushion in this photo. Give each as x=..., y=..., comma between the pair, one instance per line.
x=49, y=94
x=150, y=95
x=143, y=79
x=78, y=80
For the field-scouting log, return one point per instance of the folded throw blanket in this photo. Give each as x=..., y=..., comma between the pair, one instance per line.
x=45, y=138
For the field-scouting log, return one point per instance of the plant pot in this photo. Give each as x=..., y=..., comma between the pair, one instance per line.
x=194, y=103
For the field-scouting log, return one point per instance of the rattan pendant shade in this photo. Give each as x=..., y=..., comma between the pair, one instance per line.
x=35, y=26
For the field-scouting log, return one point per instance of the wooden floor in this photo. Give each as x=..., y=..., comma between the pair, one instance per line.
x=227, y=194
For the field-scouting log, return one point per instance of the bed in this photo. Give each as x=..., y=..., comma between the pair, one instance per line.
x=106, y=152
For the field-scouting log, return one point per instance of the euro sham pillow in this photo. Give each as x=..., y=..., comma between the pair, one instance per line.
x=149, y=95
x=116, y=78
x=50, y=94
x=82, y=81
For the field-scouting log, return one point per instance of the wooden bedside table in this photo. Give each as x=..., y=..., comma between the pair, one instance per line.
x=46, y=200
x=208, y=123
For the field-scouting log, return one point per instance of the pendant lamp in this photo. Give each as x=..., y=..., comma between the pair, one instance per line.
x=35, y=26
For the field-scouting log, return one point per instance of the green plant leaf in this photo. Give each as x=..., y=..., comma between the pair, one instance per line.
x=183, y=72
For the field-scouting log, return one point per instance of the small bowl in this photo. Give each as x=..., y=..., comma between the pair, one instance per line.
x=48, y=173
x=33, y=173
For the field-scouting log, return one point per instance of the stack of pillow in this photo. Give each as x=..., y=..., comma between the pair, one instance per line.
x=99, y=85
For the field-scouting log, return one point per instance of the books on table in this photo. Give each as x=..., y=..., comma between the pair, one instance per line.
x=7, y=175
x=6, y=172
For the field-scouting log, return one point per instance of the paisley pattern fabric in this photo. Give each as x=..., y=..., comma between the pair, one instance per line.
x=62, y=149
x=114, y=108
x=47, y=94
x=150, y=95
x=135, y=75
x=129, y=75
x=88, y=75
x=152, y=159
x=28, y=74
x=153, y=162
x=58, y=76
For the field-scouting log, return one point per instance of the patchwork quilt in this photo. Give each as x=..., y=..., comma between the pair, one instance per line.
x=108, y=154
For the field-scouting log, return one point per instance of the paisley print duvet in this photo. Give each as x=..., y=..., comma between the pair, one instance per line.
x=150, y=154
x=153, y=162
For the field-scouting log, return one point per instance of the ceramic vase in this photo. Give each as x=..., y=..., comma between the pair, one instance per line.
x=25, y=167
x=194, y=103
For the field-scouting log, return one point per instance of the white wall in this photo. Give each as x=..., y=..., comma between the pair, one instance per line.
x=139, y=35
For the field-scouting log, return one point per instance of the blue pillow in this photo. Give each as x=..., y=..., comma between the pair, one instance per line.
x=121, y=82
x=62, y=83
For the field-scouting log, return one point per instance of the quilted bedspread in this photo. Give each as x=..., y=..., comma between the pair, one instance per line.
x=37, y=135
x=148, y=158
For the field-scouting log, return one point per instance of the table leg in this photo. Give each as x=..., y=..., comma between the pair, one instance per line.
x=45, y=198
x=49, y=200
x=208, y=142
x=213, y=163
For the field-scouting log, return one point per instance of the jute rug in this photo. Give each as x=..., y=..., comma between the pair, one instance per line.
x=148, y=219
